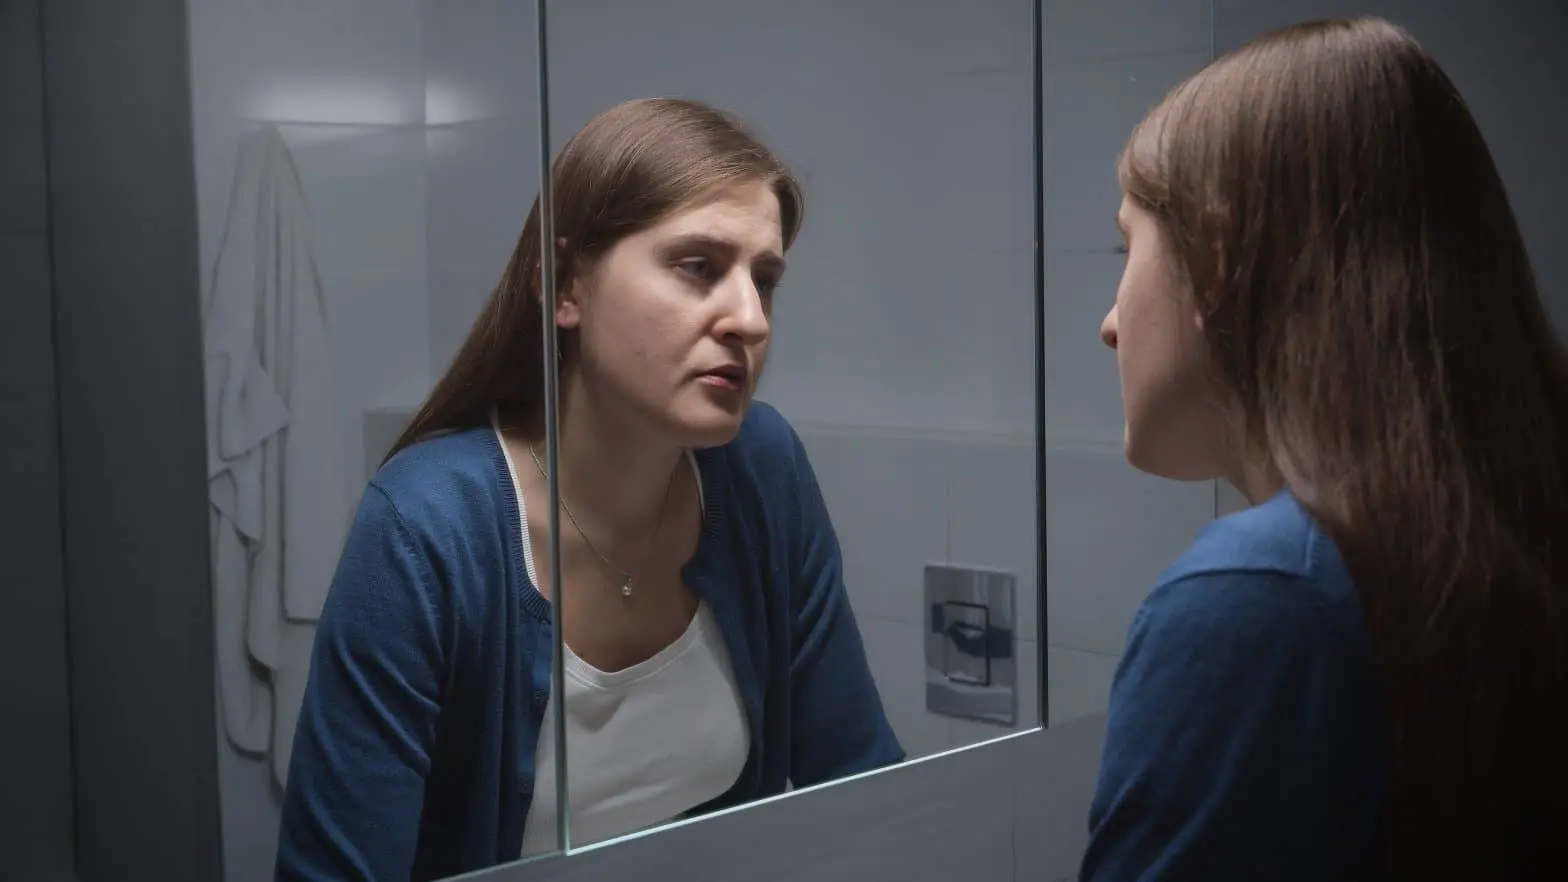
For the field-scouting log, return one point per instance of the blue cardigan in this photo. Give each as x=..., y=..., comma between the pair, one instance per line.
x=1245, y=734
x=414, y=752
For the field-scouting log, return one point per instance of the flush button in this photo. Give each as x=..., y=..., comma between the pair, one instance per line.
x=966, y=629
x=971, y=662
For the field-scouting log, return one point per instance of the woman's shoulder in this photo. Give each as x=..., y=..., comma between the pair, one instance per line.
x=1269, y=569
x=438, y=519
x=447, y=480
x=764, y=433
x=1275, y=537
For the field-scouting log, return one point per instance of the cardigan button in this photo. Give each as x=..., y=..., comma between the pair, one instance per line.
x=541, y=698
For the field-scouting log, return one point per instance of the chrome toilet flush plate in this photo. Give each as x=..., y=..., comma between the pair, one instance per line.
x=971, y=643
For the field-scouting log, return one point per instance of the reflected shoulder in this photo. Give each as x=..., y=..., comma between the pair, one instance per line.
x=765, y=436
x=445, y=479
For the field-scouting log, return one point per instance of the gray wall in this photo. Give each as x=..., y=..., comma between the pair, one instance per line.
x=35, y=757
x=132, y=482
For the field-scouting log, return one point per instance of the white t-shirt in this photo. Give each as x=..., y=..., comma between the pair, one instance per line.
x=645, y=744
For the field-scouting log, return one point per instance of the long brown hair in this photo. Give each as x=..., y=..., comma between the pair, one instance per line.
x=627, y=169
x=1369, y=304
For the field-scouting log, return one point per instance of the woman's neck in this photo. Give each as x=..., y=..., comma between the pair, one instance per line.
x=613, y=471
x=1253, y=472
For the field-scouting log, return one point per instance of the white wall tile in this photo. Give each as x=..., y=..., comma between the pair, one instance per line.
x=741, y=56
x=367, y=192
x=1080, y=683
x=939, y=343
x=954, y=38
x=480, y=60
x=1090, y=109
x=993, y=519
x=1110, y=532
x=888, y=500
x=1083, y=396
x=483, y=178
x=1073, y=30
x=896, y=654
x=965, y=171
x=344, y=61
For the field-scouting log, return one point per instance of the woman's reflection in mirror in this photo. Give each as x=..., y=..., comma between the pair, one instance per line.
x=711, y=654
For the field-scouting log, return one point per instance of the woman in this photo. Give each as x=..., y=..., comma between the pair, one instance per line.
x=711, y=654
x=1327, y=302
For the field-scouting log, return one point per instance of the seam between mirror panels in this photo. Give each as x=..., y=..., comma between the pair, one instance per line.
x=556, y=703
x=1211, y=30
x=1037, y=174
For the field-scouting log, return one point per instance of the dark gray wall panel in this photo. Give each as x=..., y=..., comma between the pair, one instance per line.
x=35, y=739
x=36, y=813
x=22, y=179
x=132, y=453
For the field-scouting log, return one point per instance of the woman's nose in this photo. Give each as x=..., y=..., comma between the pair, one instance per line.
x=1108, y=329
x=747, y=318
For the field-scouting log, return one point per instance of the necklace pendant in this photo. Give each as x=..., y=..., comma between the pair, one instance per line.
x=626, y=587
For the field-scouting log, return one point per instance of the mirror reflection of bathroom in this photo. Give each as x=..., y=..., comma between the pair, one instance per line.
x=798, y=522
x=363, y=174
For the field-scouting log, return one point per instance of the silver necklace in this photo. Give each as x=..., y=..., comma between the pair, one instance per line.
x=625, y=575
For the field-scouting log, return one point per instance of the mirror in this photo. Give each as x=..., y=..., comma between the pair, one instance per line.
x=364, y=170
x=798, y=519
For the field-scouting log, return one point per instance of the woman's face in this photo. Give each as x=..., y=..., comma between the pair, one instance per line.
x=1174, y=427
x=673, y=322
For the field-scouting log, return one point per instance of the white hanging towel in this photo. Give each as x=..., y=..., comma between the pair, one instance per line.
x=275, y=473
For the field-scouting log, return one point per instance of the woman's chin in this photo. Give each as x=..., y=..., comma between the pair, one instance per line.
x=709, y=426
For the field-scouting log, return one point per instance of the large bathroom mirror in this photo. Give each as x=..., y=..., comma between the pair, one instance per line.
x=799, y=515
x=364, y=171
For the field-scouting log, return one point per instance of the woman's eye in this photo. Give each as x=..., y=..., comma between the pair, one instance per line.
x=1121, y=249
x=696, y=267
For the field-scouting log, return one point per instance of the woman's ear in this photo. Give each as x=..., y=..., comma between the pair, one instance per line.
x=568, y=308
x=568, y=305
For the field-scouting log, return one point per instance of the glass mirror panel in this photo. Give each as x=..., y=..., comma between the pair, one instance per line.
x=798, y=511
